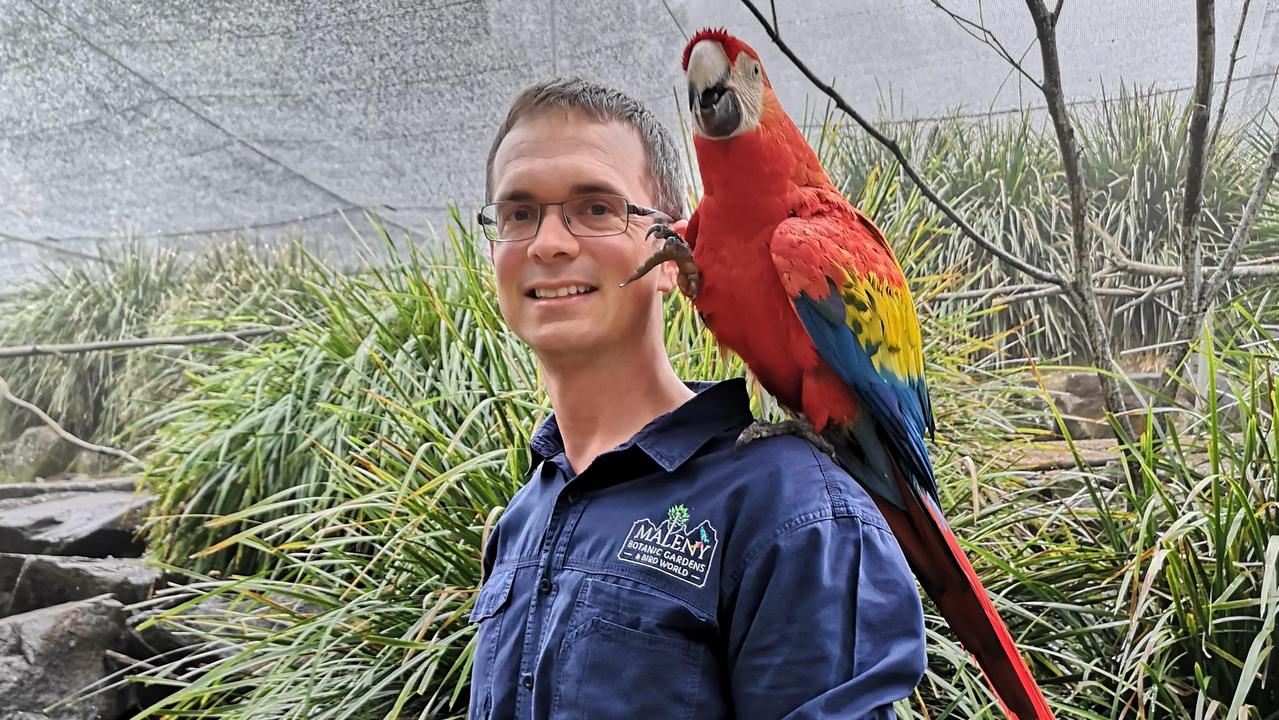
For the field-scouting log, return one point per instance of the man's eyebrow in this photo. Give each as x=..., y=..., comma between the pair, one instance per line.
x=587, y=188
x=592, y=188
x=514, y=195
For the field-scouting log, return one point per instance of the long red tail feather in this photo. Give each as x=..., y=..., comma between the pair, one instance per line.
x=946, y=575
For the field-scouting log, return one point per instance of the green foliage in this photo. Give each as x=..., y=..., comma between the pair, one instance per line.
x=144, y=292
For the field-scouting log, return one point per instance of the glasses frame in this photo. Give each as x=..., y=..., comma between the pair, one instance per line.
x=631, y=209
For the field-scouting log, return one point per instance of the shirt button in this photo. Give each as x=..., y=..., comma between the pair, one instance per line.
x=544, y=585
x=528, y=682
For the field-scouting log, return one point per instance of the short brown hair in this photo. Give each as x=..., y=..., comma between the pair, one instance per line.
x=603, y=104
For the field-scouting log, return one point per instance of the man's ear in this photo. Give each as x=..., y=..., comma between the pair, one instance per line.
x=667, y=271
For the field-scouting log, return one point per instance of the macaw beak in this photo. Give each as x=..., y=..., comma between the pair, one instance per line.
x=718, y=110
x=711, y=99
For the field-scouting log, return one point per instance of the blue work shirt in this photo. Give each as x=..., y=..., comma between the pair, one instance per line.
x=677, y=577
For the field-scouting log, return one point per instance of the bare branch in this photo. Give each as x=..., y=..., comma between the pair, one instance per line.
x=982, y=293
x=44, y=417
x=1082, y=290
x=1197, y=137
x=1230, y=76
x=1045, y=291
x=981, y=33
x=51, y=246
x=892, y=146
x=1159, y=288
x=1190, y=325
x=129, y=343
x=1057, y=12
x=1229, y=267
x=1170, y=271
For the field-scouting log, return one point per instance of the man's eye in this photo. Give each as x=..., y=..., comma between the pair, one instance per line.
x=521, y=213
x=599, y=209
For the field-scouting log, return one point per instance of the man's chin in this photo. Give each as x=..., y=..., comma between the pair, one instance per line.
x=561, y=340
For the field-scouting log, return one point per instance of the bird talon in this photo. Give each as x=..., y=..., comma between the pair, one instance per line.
x=674, y=248
x=799, y=427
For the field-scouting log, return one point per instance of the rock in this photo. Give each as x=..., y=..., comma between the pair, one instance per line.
x=93, y=464
x=50, y=580
x=10, y=570
x=210, y=615
x=1078, y=398
x=93, y=524
x=6, y=463
x=51, y=654
x=166, y=636
x=39, y=452
x=123, y=484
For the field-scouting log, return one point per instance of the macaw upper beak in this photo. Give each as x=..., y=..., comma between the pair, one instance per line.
x=718, y=111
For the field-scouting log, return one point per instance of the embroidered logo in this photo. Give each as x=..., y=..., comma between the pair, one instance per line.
x=672, y=547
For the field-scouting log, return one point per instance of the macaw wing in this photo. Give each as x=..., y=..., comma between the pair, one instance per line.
x=852, y=298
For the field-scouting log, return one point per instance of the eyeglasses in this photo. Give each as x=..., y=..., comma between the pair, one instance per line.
x=586, y=216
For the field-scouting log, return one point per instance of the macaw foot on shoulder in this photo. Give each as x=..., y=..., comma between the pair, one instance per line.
x=689, y=278
x=795, y=426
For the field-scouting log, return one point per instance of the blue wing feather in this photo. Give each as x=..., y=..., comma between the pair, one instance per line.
x=899, y=405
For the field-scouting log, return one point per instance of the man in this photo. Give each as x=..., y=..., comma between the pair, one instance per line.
x=648, y=568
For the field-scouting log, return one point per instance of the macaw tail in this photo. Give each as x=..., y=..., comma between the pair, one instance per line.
x=946, y=575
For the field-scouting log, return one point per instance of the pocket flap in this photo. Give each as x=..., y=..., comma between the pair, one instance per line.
x=493, y=595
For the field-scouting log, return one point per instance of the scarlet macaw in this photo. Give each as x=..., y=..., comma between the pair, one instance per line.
x=803, y=286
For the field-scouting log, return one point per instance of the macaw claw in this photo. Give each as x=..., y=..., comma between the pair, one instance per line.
x=689, y=277
x=797, y=426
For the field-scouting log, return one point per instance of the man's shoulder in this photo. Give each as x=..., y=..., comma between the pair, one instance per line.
x=784, y=480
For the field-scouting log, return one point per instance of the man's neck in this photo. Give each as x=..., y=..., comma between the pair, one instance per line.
x=601, y=405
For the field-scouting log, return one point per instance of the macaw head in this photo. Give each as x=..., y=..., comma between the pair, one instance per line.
x=727, y=85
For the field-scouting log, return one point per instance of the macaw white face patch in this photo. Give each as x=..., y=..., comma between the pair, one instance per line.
x=672, y=547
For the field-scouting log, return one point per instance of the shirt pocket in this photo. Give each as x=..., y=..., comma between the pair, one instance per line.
x=488, y=613
x=629, y=652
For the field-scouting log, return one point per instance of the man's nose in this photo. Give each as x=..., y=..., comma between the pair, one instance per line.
x=553, y=240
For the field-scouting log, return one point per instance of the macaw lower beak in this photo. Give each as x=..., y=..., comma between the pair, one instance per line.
x=718, y=111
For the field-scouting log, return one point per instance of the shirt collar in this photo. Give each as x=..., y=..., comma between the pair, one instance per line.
x=673, y=438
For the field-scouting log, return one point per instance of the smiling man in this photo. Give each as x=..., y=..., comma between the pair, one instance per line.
x=648, y=567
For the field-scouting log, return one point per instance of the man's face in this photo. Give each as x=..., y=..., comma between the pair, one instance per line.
x=552, y=156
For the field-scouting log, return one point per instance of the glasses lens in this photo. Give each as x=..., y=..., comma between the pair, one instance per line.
x=510, y=220
x=596, y=215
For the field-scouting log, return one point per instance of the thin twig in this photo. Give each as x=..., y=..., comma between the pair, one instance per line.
x=980, y=293
x=129, y=343
x=62, y=433
x=1229, y=266
x=988, y=38
x=49, y=246
x=892, y=146
x=1158, y=288
x=1053, y=291
x=1230, y=76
